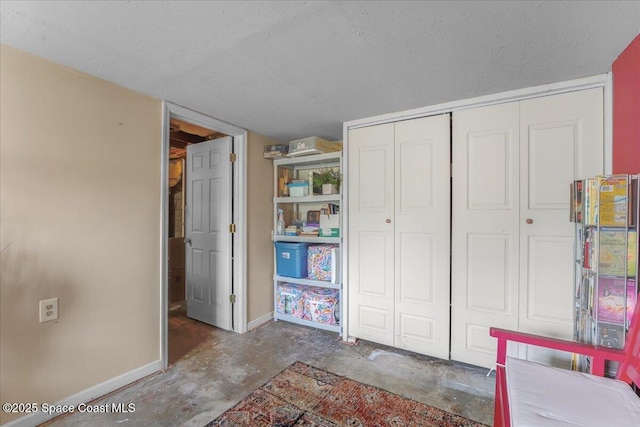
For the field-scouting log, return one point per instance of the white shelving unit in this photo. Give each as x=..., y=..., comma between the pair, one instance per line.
x=296, y=209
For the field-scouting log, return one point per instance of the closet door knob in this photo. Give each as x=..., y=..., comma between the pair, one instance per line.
x=388, y=221
x=529, y=221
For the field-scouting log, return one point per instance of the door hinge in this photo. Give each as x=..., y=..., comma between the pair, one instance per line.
x=232, y=298
x=232, y=157
x=232, y=228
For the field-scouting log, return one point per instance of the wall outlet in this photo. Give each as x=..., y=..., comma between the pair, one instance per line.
x=48, y=310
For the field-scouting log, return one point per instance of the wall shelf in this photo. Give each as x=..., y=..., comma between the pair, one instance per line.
x=308, y=282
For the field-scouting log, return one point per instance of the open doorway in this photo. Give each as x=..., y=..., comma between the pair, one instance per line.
x=184, y=333
x=201, y=137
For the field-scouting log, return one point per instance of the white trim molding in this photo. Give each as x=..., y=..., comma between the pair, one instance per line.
x=164, y=232
x=89, y=394
x=345, y=236
x=608, y=125
x=498, y=98
x=260, y=321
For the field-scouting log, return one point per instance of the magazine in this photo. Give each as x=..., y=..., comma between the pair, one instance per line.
x=616, y=300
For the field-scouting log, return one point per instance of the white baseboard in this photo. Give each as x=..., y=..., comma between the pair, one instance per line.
x=89, y=394
x=260, y=321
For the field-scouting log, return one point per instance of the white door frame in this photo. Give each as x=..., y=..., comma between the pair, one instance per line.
x=239, y=135
x=601, y=80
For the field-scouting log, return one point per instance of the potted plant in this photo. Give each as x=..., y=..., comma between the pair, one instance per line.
x=329, y=179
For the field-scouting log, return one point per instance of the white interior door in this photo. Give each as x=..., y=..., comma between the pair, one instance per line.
x=562, y=140
x=371, y=216
x=208, y=247
x=422, y=222
x=484, y=263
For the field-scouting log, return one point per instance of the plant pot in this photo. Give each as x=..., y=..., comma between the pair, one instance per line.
x=329, y=189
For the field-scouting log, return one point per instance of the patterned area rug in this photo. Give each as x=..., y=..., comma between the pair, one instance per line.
x=302, y=395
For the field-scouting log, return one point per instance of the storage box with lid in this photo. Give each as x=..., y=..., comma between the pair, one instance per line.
x=312, y=145
x=298, y=189
x=291, y=259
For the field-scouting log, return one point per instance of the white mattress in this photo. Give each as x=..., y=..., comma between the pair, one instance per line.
x=542, y=396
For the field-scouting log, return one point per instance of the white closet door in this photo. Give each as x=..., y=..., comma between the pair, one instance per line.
x=422, y=222
x=562, y=140
x=371, y=221
x=485, y=238
x=512, y=242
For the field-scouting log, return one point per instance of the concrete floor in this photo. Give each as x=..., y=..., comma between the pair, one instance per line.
x=224, y=367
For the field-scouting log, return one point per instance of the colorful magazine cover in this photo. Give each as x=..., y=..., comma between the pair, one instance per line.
x=575, y=211
x=614, y=201
x=612, y=293
x=617, y=248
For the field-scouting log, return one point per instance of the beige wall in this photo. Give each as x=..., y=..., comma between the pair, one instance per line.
x=260, y=224
x=80, y=203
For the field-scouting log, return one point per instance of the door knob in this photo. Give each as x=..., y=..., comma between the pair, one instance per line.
x=188, y=240
x=388, y=221
x=529, y=221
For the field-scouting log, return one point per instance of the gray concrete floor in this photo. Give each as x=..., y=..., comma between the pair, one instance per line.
x=225, y=367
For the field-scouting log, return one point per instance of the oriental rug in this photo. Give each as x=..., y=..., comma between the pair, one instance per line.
x=302, y=395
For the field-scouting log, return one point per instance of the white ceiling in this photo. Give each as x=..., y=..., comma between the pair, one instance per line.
x=295, y=69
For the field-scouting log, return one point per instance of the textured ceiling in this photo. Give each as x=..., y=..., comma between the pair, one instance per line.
x=295, y=69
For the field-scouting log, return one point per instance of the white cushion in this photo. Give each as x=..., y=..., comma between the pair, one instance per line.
x=542, y=396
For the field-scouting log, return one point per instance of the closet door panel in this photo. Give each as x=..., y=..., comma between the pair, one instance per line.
x=370, y=233
x=548, y=297
x=488, y=262
x=489, y=161
x=485, y=237
x=562, y=140
x=374, y=247
x=415, y=290
x=422, y=223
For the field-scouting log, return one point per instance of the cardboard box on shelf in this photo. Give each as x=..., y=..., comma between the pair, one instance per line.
x=330, y=225
x=275, y=151
x=312, y=145
x=330, y=221
x=329, y=232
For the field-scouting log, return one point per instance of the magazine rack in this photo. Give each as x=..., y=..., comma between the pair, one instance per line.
x=531, y=394
x=605, y=213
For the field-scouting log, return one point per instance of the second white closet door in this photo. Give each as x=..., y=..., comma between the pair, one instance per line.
x=422, y=222
x=512, y=242
x=485, y=239
x=562, y=140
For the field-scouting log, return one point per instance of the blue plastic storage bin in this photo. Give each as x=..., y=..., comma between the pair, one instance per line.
x=291, y=259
